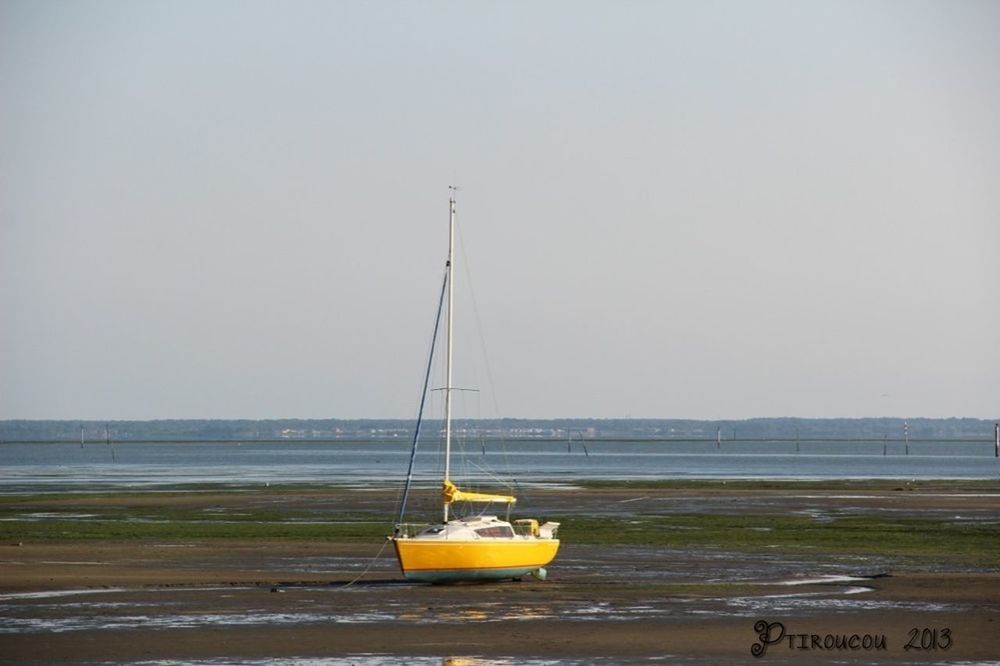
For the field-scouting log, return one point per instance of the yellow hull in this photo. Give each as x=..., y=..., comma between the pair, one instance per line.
x=441, y=560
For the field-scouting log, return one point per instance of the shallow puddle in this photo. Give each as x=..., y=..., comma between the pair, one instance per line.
x=235, y=606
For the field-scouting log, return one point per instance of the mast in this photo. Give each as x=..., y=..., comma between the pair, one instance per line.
x=450, y=327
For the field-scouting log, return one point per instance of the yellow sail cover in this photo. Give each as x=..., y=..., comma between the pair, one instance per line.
x=450, y=493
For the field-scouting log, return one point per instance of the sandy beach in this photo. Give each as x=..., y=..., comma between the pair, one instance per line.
x=276, y=600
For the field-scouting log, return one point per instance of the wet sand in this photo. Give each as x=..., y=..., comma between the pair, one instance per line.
x=272, y=600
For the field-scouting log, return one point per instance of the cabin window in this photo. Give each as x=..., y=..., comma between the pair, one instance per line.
x=502, y=531
x=434, y=530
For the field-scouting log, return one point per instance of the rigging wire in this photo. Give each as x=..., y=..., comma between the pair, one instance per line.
x=488, y=473
x=482, y=344
x=479, y=323
x=423, y=399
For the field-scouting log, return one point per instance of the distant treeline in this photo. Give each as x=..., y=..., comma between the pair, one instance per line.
x=382, y=429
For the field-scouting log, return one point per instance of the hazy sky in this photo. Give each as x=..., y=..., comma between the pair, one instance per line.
x=670, y=209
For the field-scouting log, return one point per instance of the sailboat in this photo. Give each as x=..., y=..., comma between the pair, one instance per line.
x=480, y=546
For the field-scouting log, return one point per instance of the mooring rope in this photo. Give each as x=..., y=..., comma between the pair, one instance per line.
x=367, y=568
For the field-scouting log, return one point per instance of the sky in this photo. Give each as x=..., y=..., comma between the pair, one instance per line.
x=711, y=210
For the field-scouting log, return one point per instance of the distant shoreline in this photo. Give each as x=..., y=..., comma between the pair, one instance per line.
x=541, y=440
x=574, y=429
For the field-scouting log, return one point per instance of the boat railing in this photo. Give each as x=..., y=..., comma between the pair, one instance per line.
x=407, y=530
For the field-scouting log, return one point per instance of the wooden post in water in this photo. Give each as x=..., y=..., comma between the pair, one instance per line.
x=996, y=440
x=107, y=440
x=906, y=436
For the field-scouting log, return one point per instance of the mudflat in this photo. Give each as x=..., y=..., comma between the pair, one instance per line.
x=863, y=572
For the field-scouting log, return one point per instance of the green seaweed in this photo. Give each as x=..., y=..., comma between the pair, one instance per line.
x=345, y=515
x=954, y=485
x=865, y=535
x=116, y=530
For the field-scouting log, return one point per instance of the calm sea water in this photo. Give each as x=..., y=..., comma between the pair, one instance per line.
x=35, y=467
